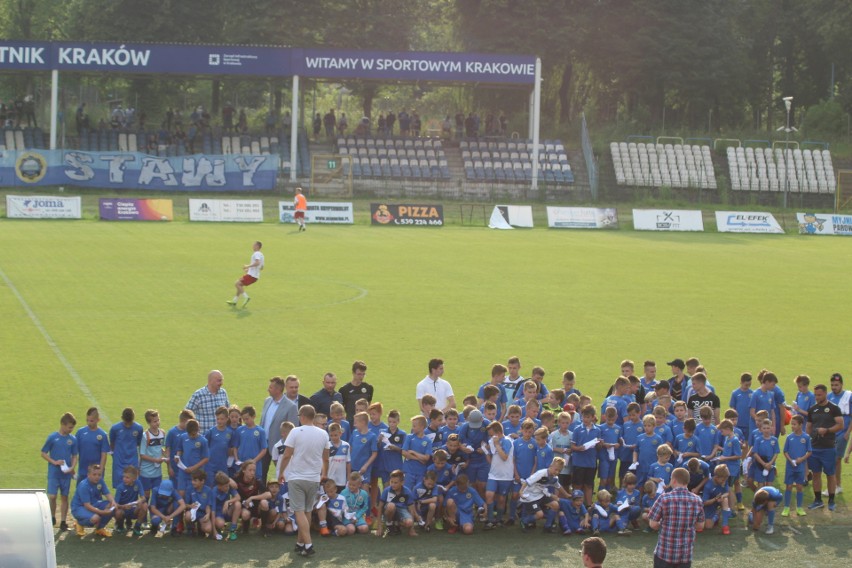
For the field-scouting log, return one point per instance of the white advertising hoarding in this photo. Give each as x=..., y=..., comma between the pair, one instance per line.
x=747, y=222
x=511, y=216
x=226, y=210
x=581, y=218
x=667, y=220
x=319, y=212
x=42, y=207
x=824, y=224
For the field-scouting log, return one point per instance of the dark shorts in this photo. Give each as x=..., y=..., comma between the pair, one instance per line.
x=583, y=476
x=823, y=461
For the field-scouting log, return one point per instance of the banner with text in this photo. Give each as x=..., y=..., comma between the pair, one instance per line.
x=582, y=218
x=42, y=207
x=406, y=214
x=747, y=222
x=226, y=210
x=120, y=209
x=511, y=216
x=824, y=224
x=667, y=220
x=319, y=212
x=133, y=170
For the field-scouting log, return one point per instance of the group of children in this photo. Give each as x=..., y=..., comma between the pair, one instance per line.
x=517, y=453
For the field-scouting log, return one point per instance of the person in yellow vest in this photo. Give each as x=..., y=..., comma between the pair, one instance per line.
x=300, y=204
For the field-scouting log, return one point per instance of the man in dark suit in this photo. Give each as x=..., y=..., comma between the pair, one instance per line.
x=277, y=408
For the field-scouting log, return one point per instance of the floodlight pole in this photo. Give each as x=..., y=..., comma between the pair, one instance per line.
x=536, y=121
x=788, y=102
x=294, y=129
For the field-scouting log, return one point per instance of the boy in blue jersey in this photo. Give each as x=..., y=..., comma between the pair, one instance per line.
x=805, y=399
x=628, y=501
x=279, y=516
x=741, y=402
x=661, y=424
x=629, y=433
x=334, y=512
x=676, y=422
x=445, y=478
x=561, y=442
x=524, y=450
x=543, y=452
x=716, y=499
x=498, y=397
x=797, y=450
x=390, y=458
x=336, y=415
x=531, y=410
x=375, y=411
x=417, y=451
x=396, y=507
x=585, y=458
x=451, y=423
x=574, y=517
x=460, y=506
x=130, y=503
x=610, y=443
x=605, y=517
x=125, y=438
x=645, y=453
x=193, y=453
x=699, y=475
x=339, y=457
x=500, y=475
x=199, y=506
x=426, y=500
x=569, y=380
x=472, y=436
x=763, y=399
x=151, y=453
x=763, y=454
x=732, y=449
x=617, y=400
x=686, y=444
x=166, y=506
x=649, y=497
x=227, y=505
x=765, y=500
x=661, y=471
x=221, y=444
x=172, y=436
x=93, y=505
x=433, y=431
x=707, y=435
x=365, y=449
x=537, y=498
x=250, y=439
x=357, y=503
x=60, y=452
x=92, y=444
x=512, y=424
x=456, y=456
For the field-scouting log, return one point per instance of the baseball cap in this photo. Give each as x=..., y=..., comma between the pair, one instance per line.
x=569, y=407
x=677, y=363
x=577, y=494
x=166, y=487
x=662, y=385
x=475, y=419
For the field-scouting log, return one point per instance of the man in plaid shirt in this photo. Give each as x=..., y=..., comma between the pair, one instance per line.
x=676, y=514
x=207, y=399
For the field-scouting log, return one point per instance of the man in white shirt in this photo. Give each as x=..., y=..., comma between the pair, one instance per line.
x=252, y=274
x=436, y=386
x=303, y=465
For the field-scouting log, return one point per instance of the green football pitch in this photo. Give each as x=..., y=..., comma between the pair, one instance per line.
x=134, y=314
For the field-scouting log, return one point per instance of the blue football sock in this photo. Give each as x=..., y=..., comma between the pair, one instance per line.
x=726, y=515
x=800, y=499
x=563, y=523
x=596, y=523
x=788, y=494
x=770, y=517
x=489, y=515
x=513, y=509
x=739, y=497
x=549, y=516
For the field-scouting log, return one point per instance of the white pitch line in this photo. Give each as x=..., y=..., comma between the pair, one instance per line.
x=52, y=344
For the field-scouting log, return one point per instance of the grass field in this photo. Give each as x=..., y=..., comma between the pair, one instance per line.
x=133, y=314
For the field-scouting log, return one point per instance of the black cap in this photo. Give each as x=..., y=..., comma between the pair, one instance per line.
x=677, y=363
x=662, y=385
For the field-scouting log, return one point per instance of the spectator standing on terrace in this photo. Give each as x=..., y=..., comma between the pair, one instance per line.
x=330, y=123
x=78, y=118
x=170, y=118
x=207, y=399
x=404, y=123
x=416, y=124
x=459, y=125
x=228, y=117
x=381, y=124
x=317, y=126
x=357, y=389
x=468, y=125
x=29, y=111
x=242, y=122
x=504, y=124
x=436, y=386
x=390, y=120
x=287, y=123
x=276, y=409
x=342, y=124
x=447, y=128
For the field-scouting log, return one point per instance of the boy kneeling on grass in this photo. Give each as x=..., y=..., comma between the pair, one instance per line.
x=93, y=505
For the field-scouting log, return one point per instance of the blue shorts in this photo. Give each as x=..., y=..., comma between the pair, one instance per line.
x=464, y=518
x=823, y=460
x=499, y=487
x=606, y=469
x=358, y=521
x=411, y=480
x=712, y=513
x=478, y=472
x=58, y=482
x=793, y=477
x=84, y=516
x=367, y=477
x=128, y=513
x=184, y=481
x=756, y=474
x=150, y=483
x=402, y=513
x=840, y=442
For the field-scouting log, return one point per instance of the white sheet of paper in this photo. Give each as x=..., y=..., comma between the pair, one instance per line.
x=591, y=444
x=321, y=501
x=602, y=511
x=660, y=488
x=194, y=512
x=238, y=463
x=633, y=466
x=610, y=453
x=180, y=464
x=765, y=473
x=623, y=506
x=230, y=461
x=679, y=460
x=484, y=446
x=468, y=447
x=64, y=467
